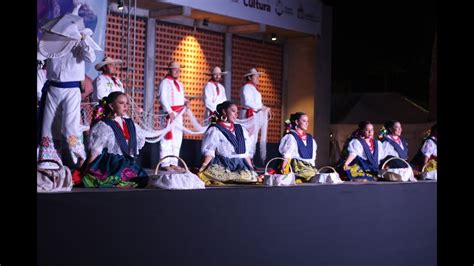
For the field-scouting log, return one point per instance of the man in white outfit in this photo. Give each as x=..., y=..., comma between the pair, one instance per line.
x=214, y=92
x=40, y=76
x=67, y=45
x=172, y=102
x=251, y=102
x=107, y=81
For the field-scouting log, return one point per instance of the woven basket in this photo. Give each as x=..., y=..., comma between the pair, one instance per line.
x=278, y=179
x=327, y=178
x=174, y=180
x=398, y=174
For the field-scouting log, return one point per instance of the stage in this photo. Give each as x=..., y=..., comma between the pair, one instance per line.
x=347, y=224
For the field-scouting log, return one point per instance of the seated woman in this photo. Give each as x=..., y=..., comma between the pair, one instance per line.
x=114, y=142
x=394, y=145
x=428, y=151
x=299, y=148
x=225, y=147
x=364, y=155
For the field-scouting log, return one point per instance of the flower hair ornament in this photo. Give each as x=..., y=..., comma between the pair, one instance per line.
x=288, y=126
x=99, y=112
x=383, y=132
x=213, y=117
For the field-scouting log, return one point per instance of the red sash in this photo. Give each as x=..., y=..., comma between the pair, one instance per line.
x=177, y=109
x=249, y=113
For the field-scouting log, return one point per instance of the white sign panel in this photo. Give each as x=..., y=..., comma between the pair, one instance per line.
x=298, y=15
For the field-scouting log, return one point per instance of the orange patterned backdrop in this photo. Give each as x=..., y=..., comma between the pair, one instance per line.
x=198, y=51
x=267, y=58
x=114, y=49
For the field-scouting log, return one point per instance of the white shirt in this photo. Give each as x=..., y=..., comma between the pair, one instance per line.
x=356, y=148
x=102, y=136
x=70, y=67
x=168, y=95
x=104, y=85
x=250, y=97
x=215, y=142
x=40, y=80
x=430, y=148
x=211, y=99
x=389, y=149
x=289, y=149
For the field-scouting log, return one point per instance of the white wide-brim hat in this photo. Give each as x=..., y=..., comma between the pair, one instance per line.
x=107, y=60
x=61, y=34
x=217, y=70
x=54, y=46
x=40, y=57
x=252, y=72
x=68, y=26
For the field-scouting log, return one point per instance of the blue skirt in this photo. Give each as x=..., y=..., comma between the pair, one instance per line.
x=362, y=170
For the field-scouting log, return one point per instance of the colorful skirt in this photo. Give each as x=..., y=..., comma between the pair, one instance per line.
x=304, y=171
x=223, y=170
x=113, y=170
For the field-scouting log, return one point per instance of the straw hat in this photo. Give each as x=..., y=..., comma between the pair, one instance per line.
x=107, y=60
x=252, y=72
x=217, y=70
x=172, y=65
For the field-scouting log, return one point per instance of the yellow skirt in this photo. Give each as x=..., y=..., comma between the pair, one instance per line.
x=303, y=170
x=218, y=175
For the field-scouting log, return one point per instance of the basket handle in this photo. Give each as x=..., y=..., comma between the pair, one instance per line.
x=397, y=158
x=276, y=158
x=49, y=161
x=327, y=167
x=159, y=163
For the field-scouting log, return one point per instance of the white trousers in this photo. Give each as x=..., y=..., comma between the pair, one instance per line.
x=61, y=121
x=172, y=146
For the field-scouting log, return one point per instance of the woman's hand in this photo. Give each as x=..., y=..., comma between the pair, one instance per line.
x=202, y=168
x=172, y=115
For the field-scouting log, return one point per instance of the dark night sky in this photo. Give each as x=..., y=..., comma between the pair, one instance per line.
x=383, y=46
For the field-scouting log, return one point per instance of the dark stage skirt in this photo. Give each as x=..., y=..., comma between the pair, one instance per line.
x=113, y=170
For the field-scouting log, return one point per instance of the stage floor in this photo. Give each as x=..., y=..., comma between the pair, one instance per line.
x=241, y=186
x=375, y=223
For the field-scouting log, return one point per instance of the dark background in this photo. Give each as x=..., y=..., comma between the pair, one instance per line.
x=383, y=46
